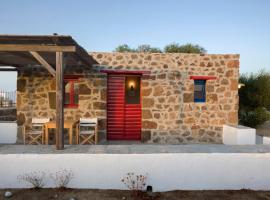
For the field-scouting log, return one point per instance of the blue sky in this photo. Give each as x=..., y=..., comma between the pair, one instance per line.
x=220, y=26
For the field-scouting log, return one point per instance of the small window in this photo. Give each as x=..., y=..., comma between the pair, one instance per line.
x=199, y=90
x=71, y=97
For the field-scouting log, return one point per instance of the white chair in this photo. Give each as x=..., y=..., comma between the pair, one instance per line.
x=87, y=129
x=36, y=134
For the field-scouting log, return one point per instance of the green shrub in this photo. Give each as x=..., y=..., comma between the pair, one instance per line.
x=253, y=118
x=256, y=92
x=254, y=98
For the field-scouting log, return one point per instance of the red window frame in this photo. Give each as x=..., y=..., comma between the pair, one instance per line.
x=71, y=81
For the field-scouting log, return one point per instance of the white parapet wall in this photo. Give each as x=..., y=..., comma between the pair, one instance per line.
x=238, y=135
x=165, y=171
x=8, y=132
x=262, y=140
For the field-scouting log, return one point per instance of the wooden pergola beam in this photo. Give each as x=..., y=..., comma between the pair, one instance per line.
x=33, y=47
x=43, y=62
x=59, y=101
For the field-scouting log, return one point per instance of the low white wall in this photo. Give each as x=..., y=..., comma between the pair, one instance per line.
x=262, y=140
x=238, y=135
x=185, y=171
x=8, y=132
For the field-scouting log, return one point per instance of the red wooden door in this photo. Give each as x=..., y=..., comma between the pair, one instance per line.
x=123, y=114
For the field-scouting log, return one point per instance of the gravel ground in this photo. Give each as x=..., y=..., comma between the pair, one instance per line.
x=134, y=149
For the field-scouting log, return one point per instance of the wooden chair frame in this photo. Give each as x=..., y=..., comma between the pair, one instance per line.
x=35, y=137
x=90, y=138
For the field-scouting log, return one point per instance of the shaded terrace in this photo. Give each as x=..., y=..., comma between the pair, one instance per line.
x=55, y=53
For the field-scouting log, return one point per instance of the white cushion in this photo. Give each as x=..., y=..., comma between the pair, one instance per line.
x=40, y=120
x=88, y=120
x=88, y=125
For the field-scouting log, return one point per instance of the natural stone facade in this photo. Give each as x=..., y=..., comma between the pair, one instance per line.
x=169, y=114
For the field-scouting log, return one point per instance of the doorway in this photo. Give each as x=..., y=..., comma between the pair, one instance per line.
x=123, y=107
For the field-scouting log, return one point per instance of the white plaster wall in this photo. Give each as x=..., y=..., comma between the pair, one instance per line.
x=266, y=140
x=238, y=135
x=229, y=135
x=8, y=132
x=170, y=171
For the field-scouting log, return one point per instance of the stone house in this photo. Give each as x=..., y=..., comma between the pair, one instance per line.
x=152, y=97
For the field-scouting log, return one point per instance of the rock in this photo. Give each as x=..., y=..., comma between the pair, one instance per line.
x=119, y=57
x=233, y=64
x=161, y=76
x=99, y=105
x=146, y=136
x=188, y=97
x=99, y=56
x=21, y=119
x=234, y=84
x=21, y=85
x=100, y=83
x=102, y=124
x=229, y=73
x=220, y=89
x=165, y=66
x=146, y=92
x=209, y=88
x=148, y=102
x=189, y=120
x=8, y=194
x=157, y=115
x=103, y=95
x=84, y=89
x=146, y=114
x=72, y=198
x=158, y=91
x=202, y=64
x=233, y=117
x=134, y=56
x=224, y=82
x=124, y=198
x=149, y=125
x=212, y=98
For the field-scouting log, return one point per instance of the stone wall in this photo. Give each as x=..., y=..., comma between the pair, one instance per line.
x=169, y=112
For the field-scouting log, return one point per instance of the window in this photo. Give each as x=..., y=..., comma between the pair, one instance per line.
x=71, y=98
x=199, y=90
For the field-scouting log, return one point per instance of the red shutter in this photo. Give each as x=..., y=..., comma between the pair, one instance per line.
x=115, y=107
x=132, y=121
x=123, y=120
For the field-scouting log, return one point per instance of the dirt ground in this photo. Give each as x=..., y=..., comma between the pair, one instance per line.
x=78, y=194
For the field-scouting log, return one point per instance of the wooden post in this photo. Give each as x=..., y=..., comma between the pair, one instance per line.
x=59, y=101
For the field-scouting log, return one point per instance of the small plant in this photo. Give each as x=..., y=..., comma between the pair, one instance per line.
x=35, y=179
x=135, y=183
x=62, y=178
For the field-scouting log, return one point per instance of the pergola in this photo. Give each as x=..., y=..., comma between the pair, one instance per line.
x=53, y=52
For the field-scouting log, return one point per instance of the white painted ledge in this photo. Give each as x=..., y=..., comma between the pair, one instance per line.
x=262, y=140
x=8, y=132
x=165, y=172
x=238, y=135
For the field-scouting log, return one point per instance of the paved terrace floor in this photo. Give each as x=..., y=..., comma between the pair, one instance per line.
x=133, y=149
